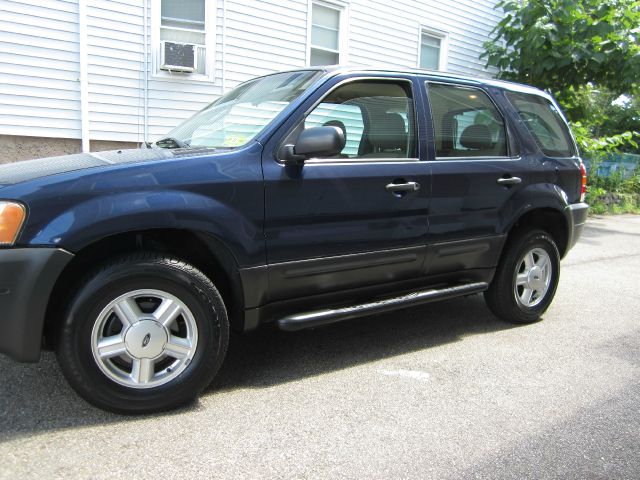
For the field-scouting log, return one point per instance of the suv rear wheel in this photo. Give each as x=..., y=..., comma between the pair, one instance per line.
x=526, y=278
x=145, y=333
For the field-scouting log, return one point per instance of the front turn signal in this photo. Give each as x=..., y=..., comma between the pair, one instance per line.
x=12, y=217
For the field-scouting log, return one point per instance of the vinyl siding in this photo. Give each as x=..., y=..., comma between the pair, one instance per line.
x=263, y=40
x=115, y=67
x=39, y=60
x=39, y=56
x=374, y=40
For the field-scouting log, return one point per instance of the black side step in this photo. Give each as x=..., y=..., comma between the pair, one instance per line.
x=316, y=318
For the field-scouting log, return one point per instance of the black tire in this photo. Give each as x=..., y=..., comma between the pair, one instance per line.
x=503, y=295
x=117, y=279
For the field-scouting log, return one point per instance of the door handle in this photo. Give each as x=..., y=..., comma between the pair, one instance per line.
x=509, y=181
x=403, y=187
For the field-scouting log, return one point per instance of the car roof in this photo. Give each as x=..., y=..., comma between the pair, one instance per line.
x=332, y=70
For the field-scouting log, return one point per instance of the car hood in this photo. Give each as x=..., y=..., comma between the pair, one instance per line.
x=12, y=173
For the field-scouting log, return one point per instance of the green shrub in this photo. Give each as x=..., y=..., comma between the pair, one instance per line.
x=631, y=184
x=613, y=193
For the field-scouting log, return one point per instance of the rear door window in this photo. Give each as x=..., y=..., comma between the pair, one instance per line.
x=466, y=123
x=545, y=123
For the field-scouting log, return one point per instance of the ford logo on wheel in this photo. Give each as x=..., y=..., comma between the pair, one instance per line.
x=146, y=339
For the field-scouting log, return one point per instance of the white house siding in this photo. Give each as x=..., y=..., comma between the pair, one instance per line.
x=388, y=33
x=264, y=39
x=115, y=67
x=176, y=98
x=39, y=56
x=39, y=94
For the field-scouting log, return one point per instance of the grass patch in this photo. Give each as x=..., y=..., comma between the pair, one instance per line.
x=604, y=202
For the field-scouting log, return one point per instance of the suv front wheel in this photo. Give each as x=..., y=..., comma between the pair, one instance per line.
x=144, y=333
x=526, y=278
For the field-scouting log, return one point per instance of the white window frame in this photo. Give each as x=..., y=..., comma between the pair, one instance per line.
x=444, y=45
x=210, y=44
x=343, y=9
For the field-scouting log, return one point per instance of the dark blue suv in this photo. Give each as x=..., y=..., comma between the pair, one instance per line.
x=300, y=199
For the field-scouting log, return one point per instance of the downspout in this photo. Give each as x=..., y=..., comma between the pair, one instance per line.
x=145, y=87
x=84, y=78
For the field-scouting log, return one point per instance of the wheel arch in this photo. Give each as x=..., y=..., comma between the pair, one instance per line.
x=549, y=219
x=541, y=206
x=200, y=249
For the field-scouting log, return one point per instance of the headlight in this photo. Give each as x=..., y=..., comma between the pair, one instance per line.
x=12, y=217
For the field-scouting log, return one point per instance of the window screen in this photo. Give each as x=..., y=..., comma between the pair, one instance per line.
x=377, y=119
x=545, y=124
x=466, y=123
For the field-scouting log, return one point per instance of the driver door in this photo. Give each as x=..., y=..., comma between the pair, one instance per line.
x=350, y=220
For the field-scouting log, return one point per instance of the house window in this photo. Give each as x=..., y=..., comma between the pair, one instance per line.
x=432, y=50
x=184, y=21
x=325, y=35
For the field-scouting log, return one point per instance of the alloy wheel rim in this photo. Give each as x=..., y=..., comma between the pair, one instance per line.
x=144, y=338
x=533, y=277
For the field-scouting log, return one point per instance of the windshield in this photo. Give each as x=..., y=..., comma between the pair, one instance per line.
x=238, y=116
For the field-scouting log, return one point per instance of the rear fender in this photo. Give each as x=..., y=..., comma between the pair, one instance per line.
x=533, y=197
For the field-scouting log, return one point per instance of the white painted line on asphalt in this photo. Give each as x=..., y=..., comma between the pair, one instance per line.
x=413, y=374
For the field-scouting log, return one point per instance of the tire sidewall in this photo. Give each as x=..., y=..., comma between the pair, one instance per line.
x=535, y=239
x=75, y=351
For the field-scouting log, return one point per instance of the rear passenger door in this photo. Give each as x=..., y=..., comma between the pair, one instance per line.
x=475, y=170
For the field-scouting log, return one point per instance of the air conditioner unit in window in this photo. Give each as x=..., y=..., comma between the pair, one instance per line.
x=178, y=57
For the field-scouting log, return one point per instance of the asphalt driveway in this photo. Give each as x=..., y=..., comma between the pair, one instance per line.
x=440, y=391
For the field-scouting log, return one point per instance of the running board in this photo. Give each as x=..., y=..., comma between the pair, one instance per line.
x=316, y=318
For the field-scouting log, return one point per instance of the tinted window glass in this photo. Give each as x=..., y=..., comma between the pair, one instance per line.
x=466, y=123
x=376, y=117
x=347, y=116
x=545, y=124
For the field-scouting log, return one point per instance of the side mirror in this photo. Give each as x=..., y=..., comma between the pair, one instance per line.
x=314, y=142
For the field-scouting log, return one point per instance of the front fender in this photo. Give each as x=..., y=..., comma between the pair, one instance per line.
x=97, y=218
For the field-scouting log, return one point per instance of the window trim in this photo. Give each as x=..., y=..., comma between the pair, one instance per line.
x=343, y=9
x=443, y=36
x=512, y=153
x=210, y=27
x=356, y=161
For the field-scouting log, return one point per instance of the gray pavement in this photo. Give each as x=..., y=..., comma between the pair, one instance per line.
x=440, y=391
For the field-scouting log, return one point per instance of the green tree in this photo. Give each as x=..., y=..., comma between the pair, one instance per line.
x=586, y=53
x=560, y=44
x=603, y=120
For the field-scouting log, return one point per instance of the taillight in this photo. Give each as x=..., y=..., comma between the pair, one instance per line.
x=583, y=181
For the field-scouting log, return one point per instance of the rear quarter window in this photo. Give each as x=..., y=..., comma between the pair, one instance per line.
x=545, y=123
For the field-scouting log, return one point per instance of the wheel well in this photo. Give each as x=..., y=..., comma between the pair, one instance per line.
x=199, y=249
x=547, y=219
